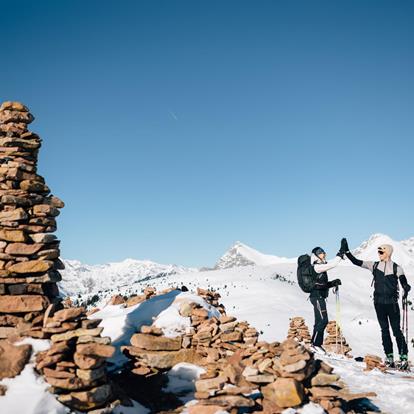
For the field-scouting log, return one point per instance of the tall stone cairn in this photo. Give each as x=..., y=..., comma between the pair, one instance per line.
x=75, y=364
x=29, y=252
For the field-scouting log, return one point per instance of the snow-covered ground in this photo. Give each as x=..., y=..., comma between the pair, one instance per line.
x=264, y=295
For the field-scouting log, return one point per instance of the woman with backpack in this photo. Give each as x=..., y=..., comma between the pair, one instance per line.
x=320, y=291
x=386, y=276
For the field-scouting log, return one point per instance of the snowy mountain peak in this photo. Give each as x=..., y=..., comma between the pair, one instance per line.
x=242, y=255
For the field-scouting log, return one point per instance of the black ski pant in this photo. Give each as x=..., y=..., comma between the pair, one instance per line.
x=321, y=319
x=389, y=314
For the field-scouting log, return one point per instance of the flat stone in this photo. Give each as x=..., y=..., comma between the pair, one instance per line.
x=226, y=319
x=23, y=303
x=92, y=348
x=297, y=366
x=324, y=392
x=49, y=277
x=57, y=374
x=90, y=374
x=261, y=378
x=18, y=236
x=210, y=384
x=285, y=392
x=86, y=400
x=77, y=332
x=31, y=266
x=229, y=401
x=84, y=339
x=44, y=238
x=323, y=379
x=13, y=215
x=68, y=314
x=47, y=361
x=66, y=383
x=165, y=359
x=151, y=330
x=235, y=336
x=13, y=358
x=156, y=343
x=23, y=249
x=87, y=361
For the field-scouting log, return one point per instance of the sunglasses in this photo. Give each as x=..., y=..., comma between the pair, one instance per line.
x=380, y=252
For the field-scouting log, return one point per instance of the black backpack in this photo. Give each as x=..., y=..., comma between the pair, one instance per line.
x=306, y=273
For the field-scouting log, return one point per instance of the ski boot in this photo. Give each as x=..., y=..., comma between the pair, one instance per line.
x=403, y=364
x=389, y=361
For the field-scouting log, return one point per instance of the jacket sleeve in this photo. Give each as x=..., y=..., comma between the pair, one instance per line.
x=353, y=259
x=324, y=267
x=403, y=280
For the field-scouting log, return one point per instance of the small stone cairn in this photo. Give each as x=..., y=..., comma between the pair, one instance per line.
x=29, y=252
x=335, y=341
x=298, y=330
x=75, y=364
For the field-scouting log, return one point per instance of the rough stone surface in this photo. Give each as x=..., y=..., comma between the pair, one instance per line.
x=13, y=358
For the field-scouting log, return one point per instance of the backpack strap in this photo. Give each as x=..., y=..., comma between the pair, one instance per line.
x=395, y=269
x=374, y=268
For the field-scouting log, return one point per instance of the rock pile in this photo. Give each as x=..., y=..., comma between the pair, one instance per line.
x=29, y=253
x=335, y=341
x=298, y=330
x=241, y=373
x=206, y=340
x=212, y=298
x=374, y=361
x=75, y=364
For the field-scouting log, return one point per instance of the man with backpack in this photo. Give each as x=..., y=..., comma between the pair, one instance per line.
x=313, y=279
x=386, y=276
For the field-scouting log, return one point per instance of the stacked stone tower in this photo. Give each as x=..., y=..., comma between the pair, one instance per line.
x=29, y=252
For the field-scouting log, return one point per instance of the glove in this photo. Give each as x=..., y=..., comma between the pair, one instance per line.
x=334, y=283
x=341, y=254
x=407, y=288
x=344, y=246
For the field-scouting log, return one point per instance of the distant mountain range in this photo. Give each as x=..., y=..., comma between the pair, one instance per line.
x=80, y=279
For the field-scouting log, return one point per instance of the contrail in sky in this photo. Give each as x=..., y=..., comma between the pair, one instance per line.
x=173, y=115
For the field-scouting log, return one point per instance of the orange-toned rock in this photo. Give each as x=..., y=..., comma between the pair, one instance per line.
x=31, y=266
x=285, y=392
x=13, y=358
x=23, y=303
x=17, y=236
x=156, y=343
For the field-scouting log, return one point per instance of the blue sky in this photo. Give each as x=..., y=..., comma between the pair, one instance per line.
x=172, y=129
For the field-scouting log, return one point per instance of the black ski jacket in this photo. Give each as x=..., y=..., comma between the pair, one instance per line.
x=386, y=276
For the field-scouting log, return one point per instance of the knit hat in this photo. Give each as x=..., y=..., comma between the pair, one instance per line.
x=386, y=248
x=317, y=251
